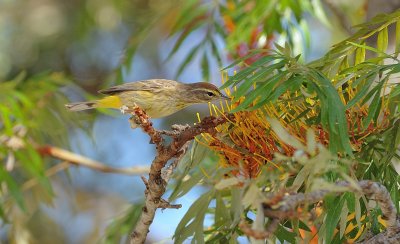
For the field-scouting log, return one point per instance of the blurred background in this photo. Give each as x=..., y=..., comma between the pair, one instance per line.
x=83, y=46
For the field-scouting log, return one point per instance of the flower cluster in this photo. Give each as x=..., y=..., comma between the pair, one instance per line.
x=248, y=143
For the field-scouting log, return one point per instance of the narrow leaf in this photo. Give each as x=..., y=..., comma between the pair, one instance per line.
x=284, y=135
x=359, y=56
x=205, y=69
x=397, y=41
x=332, y=216
x=383, y=40
x=225, y=183
x=13, y=188
x=188, y=59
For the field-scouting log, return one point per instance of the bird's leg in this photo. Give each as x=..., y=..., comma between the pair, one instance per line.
x=134, y=121
x=124, y=109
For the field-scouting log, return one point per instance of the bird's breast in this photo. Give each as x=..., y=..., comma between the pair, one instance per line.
x=155, y=105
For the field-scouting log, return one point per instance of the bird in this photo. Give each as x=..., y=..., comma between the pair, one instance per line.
x=157, y=97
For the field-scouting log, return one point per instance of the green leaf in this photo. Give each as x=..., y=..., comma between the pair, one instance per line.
x=383, y=40
x=303, y=226
x=21, y=97
x=185, y=186
x=205, y=69
x=192, y=10
x=263, y=89
x=188, y=59
x=222, y=217
x=375, y=50
x=190, y=27
x=216, y=54
x=333, y=212
x=332, y=112
x=300, y=178
x=285, y=136
x=257, y=78
x=33, y=164
x=374, y=108
x=343, y=219
x=236, y=204
x=252, y=196
x=192, y=221
x=252, y=53
x=120, y=227
x=364, y=89
x=5, y=115
x=351, y=201
x=320, y=13
x=13, y=188
x=285, y=235
x=397, y=37
x=292, y=84
x=3, y=215
x=306, y=33
x=359, y=56
x=225, y=183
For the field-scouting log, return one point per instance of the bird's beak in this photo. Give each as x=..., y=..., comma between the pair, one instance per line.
x=225, y=97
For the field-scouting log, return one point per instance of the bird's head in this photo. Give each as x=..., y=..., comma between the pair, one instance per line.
x=202, y=92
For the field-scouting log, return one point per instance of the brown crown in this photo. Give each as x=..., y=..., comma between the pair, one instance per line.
x=204, y=85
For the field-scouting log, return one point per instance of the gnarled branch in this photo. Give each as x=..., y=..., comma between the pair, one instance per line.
x=157, y=182
x=286, y=208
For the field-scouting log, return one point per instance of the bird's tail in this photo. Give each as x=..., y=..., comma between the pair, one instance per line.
x=79, y=106
x=106, y=102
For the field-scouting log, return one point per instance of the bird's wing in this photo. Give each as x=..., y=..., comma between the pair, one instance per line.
x=143, y=85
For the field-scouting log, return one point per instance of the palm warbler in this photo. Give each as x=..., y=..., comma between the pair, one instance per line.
x=157, y=97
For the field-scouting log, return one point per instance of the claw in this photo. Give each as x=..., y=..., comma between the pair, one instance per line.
x=133, y=120
x=124, y=109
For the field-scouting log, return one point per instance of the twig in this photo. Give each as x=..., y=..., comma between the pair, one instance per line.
x=380, y=194
x=286, y=207
x=80, y=160
x=145, y=181
x=157, y=181
x=165, y=204
x=49, y=172
x=382, y=238
x=259, y=234
x=289, y=203
x=275, y=211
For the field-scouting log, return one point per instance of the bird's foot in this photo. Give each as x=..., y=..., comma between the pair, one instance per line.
x=124, y=109
x=134, y=122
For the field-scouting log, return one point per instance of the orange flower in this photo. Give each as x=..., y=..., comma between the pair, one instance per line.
x=248, y=143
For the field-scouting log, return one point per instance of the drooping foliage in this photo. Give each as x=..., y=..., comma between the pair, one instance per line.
x=285, y=113
x=299, y=126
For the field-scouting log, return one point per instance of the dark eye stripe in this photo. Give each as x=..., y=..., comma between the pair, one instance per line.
x=208, y=92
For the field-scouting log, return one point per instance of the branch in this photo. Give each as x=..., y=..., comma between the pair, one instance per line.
x=80, y=160
x=70, y=158
x=157, y=182
x=49, y=172
x=382, y=197
x=286, y=207
x=259, y=234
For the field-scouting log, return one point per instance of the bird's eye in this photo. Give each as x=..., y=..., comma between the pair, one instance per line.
x=210, y=94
